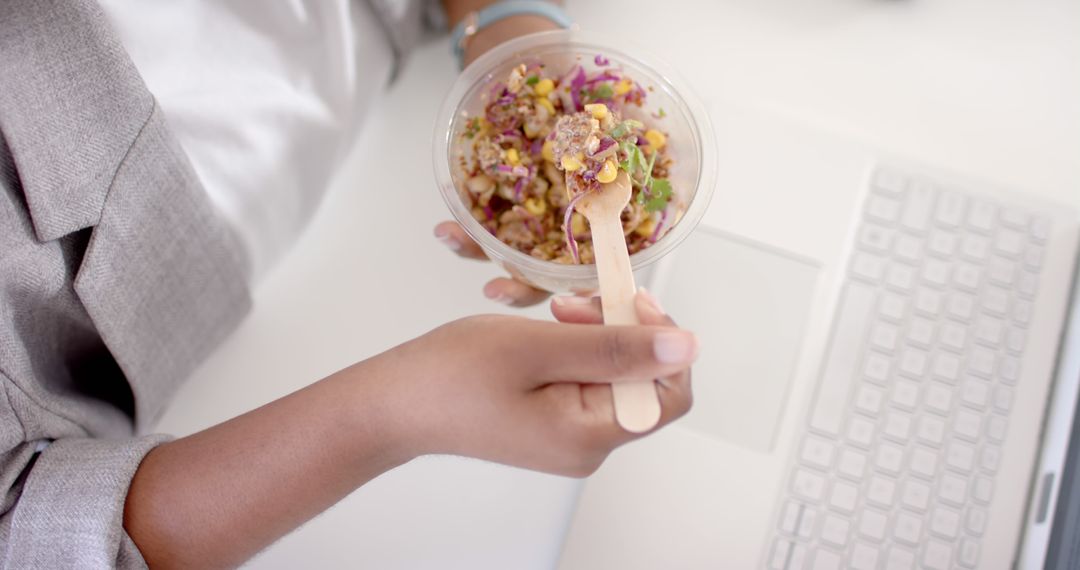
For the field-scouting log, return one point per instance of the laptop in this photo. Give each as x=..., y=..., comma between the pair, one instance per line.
x=889, y=375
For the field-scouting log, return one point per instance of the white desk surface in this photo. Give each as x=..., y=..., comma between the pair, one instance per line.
x=990, y=87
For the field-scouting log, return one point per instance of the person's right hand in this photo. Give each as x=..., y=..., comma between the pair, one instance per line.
x=536, y=394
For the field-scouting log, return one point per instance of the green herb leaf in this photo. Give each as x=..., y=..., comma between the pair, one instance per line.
x=649, y=169
x=661, y=193
x=532, y=80
x=604, y=91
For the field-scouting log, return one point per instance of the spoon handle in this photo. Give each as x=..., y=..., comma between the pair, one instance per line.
x=637, y=407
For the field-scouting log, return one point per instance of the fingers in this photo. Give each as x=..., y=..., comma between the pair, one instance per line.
x=513, y=293
x=587, y=310
x=455, y=238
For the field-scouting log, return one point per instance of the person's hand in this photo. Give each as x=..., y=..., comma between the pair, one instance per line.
x=504, y=290
x=536, y=394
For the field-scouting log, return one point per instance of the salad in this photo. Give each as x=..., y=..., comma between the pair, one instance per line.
x=544, y=141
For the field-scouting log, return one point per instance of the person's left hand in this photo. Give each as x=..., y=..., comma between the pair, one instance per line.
x=502, y=289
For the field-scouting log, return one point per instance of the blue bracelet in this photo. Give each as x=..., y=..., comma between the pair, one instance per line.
x=476, y=21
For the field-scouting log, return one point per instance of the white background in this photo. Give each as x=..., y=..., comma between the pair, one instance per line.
x=986, y=87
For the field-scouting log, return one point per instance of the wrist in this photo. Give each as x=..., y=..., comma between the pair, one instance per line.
x=504, y=30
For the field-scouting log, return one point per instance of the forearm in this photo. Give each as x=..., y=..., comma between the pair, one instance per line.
x=215, y=498
x=497, y=33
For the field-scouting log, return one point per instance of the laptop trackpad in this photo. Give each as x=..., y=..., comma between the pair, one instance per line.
x=749, y=304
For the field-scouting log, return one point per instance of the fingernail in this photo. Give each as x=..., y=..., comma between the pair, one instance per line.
x=675, y=347
x=505, y=300
x=448, y=240
x=572, y=301
x=652, y=301
x=494, y=294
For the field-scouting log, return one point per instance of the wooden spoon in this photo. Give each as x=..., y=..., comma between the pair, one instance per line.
x=637, y=407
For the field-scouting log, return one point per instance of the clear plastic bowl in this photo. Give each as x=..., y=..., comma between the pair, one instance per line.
x=691, y=145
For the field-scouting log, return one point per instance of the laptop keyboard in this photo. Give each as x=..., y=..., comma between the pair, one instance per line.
x=898, y=461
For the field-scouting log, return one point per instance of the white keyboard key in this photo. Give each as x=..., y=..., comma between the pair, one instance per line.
x=983, y=490
x=928, y=302
x=826, y=560
x=936, y=272
x=892, y=306
x=953, y=336
x=1015, y=218
x=941, y=243
x=780, y=552
x=808, y=485
x=996, y=300
x=877, y=368
x=868, y=267
x=946, y=367
x=960, y=456
x=953, y=490
x=981, y=362
x=807, y=523
x=872, y=524
x=920, y=332
x=881, y=491
x=976, y=521
x=889, y=458
x=876, y=238
x=834, y=530
x=961, y=305
x=844, y=497
x=905, y=394
x=945, y=522
x=799, y=555
x=966, y=276
x=975, y=392
x=939, y=398
x=990, y=459
x=1027, y=283
x=907, y=528
x=883, y=336
x=937, y=555
x=975, y=247
x=863, y=557
x=869, y=399
x=917, y=206
x=899, y=558
x=1003, y=397
x=1009, y=242
x=789, y=517
x=817, y=452
x=900, y=277
x=1002, y=271
x=908, y=249
x=950, y=208
x=1022, y=312
x=1040, y=228
x=852, y=464
x=981, y=216
x=1009, y=369
x=1015, y=339
x=923, y=463
x=840, y=369
x=989, y=330
x=969, y=553
x=897, y=426
x=860, y=432
x=913, y=362
x=995, y=428
x=1033, y=257
x=889, y=182
x=882, y=209
x=916, y=496
x=931, y=430
x=968, y=425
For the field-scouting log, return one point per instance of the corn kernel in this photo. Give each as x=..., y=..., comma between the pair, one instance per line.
x=607, y=172
x=546, y=103
x=646, y=228
x=656, y=139
x=577, y=224
x=597, y=110
x=512, y=156
x=548, y=151
x=543, y=87
x=535, y=206
x=570, y=163
x=623, y=87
